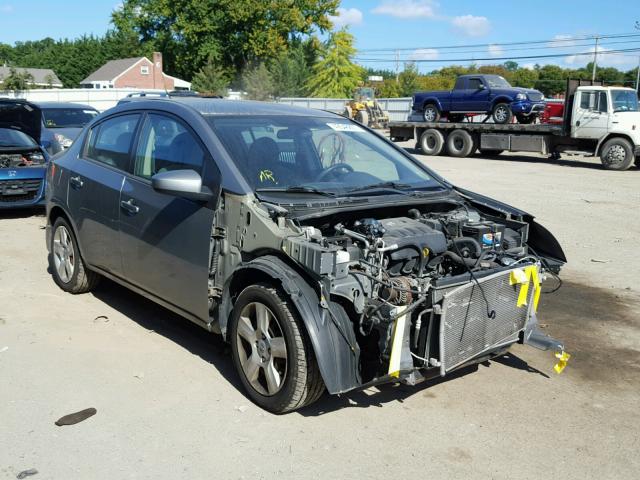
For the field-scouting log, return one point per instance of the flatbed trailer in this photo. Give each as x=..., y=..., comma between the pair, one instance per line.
x=591, y=126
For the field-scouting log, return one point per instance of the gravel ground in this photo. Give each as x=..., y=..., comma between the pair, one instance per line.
x=170, y=406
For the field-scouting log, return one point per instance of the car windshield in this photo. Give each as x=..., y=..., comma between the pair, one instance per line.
x=15, y=138
x=319, y=155
x=624, y=101
x=496, y=81
x=68, y=117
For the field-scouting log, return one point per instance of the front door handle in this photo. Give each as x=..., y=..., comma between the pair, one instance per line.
x=129, y=206
x=76, y=182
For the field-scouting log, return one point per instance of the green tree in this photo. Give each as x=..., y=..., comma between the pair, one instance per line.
x=17, y=80
x=335, y=75
x=211, y=79
x=523, y=77
x=389, y=88
x=258, y=82
x=551, y=80
x=290, y=72
x=510, y=65
x=409, y=80
x=233, y=32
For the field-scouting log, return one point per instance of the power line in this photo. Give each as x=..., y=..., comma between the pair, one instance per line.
x=529, y=42
x=525, y=57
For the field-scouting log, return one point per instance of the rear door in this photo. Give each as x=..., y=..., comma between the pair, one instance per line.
x=94, y=189
x=165, y=240
x=591, y=117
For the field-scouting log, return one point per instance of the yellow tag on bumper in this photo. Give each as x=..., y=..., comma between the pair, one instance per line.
x=563, y=358
x=523, y=277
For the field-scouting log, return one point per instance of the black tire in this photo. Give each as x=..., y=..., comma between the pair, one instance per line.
x=363, y=117
x=302, y=383
x=430, y=113
x=617, y=154
x=431, y=142
x=502, y=113
x=526, y=119
x=490, y=153
x=80, y=279
x=460, y=143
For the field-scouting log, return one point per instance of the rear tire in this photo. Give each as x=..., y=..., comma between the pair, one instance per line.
x=278, y=382
x=431, y=142
x=431, y=113
x=67, y=266
x=617, y=154
x=460, y=143
x=502, y=113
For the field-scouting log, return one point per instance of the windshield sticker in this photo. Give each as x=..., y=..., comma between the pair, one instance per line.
x=345, y=127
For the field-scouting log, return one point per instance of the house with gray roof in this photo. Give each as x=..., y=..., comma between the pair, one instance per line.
x=136, y=72
x=42, y=77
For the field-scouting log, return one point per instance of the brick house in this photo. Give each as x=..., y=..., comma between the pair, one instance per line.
x=138, y=72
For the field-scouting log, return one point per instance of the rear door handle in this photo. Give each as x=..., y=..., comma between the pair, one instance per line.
x=129, y=206
x=76, y=182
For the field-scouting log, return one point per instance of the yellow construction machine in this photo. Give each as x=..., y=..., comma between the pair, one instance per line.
x=365, y=109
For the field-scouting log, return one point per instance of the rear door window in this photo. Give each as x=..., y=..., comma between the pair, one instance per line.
x=110, y=142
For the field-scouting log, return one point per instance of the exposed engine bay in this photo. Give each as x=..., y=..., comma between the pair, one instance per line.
x=429, y=291
x=18, y=160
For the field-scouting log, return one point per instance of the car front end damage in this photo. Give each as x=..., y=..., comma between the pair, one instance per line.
x=409, y=293
x=22, y=178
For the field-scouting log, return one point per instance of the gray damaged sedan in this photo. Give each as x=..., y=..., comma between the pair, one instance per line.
x=325, y=255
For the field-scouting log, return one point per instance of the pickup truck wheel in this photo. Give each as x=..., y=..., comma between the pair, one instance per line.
x=431, y=113
x=460, y=143
x=617, y=154
x=502, y=113
x=271, y=351
x=431, y=142
x=67, y=266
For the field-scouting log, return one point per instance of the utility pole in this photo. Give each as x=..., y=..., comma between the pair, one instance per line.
x=397, y=66
x=595, y=60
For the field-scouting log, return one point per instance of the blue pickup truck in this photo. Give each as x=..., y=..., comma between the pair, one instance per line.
x=480, y=94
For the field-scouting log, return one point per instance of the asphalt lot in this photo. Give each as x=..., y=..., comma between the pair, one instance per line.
x=170, y=406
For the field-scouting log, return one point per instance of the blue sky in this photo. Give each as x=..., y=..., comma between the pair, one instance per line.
x=419, y=26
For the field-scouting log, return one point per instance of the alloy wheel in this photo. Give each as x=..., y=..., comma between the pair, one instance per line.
x=262, y=349
x=64, y=256
x=501, y=114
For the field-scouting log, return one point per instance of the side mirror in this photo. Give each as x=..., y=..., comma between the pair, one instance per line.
x=181, y=183
x=482, y=87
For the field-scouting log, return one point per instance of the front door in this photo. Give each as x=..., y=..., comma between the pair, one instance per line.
x=473, y=98
x=164, y=239
x=95, y=180
x=591, y=119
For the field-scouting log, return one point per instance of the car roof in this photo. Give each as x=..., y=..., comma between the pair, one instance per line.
x=218, y=106
x=64, y=105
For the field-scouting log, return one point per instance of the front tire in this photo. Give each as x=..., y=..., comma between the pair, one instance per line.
x=363, y=117
x=502, y=113
x=67, y=266
x=271, y=351
x=617, y=154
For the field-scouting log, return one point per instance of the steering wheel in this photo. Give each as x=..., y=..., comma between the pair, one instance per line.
x=337, y=145
x=345, y=167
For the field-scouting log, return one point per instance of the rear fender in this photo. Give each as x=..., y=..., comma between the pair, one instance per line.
x=329, y=328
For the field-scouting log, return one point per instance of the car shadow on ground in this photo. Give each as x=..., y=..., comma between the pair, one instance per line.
x=396, y=392
x=153, y=317
x=11, y=214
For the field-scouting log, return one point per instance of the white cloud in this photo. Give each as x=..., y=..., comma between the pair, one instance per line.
x=424, y=54
x=471, y=25
x=6, y=8
x=346, y=16
x=407, y=8
x=495, y=50
x=562, y=40
x=604, y=59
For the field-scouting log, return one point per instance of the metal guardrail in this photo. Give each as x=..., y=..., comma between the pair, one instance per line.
x=398, y=108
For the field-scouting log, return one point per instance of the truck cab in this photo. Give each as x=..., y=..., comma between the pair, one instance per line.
x=609, y=116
